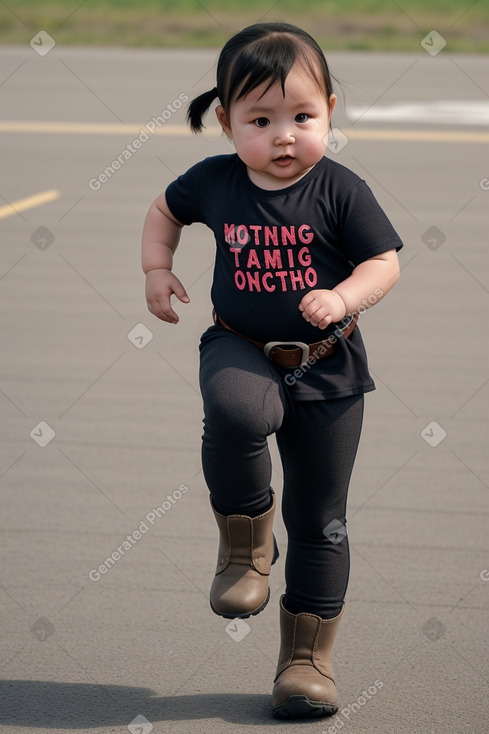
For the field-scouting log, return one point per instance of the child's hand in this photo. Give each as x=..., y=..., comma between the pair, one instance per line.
x=160, y=286
x=322, y=307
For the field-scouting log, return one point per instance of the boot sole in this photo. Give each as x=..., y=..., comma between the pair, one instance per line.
x=300, y=707
x=244, y=615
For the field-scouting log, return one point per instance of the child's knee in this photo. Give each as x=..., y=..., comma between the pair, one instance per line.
x=240, y=404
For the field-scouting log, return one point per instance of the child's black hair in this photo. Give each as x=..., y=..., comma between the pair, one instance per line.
x=264, y=52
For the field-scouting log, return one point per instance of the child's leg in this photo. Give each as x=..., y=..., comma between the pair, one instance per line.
x=243, y=404
x=318, y=443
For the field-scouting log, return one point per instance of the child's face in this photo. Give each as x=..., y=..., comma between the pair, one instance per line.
x=280, y=138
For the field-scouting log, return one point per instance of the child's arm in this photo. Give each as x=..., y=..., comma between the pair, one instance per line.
x=368, y=284
x=161, y=235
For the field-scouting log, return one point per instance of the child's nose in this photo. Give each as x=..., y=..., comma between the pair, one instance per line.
x=284, y=137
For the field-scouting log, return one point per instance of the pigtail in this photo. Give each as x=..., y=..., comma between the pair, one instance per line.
x=198, y=108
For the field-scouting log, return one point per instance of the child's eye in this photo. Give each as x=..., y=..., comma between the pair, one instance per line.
x=302, y=117
x=262, y=122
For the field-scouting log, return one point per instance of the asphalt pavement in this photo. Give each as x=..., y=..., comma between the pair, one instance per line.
x=108, y=542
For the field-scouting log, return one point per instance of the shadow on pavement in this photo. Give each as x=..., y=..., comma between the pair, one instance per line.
x=56, y=705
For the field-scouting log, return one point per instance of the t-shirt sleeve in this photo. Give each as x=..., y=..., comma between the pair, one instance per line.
x=366, y=230
x=183, y=196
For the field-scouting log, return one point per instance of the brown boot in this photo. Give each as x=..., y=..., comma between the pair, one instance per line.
x=247, y=549
x=304, y=683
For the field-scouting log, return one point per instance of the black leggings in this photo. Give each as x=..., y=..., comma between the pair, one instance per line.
x=245, y=401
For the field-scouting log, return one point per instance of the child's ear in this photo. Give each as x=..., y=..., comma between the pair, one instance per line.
x=223, y=121
x=332, y=103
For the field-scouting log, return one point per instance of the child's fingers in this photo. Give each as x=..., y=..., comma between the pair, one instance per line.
x=180, y=292
x=161, y=308
x=307, y=300
x=160, y=287
x=310, y=306
x=320, y=317
x=169, y=315
x=324, y=322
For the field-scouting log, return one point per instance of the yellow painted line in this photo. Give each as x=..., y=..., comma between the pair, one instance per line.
x=29, y=203
x=91, y=128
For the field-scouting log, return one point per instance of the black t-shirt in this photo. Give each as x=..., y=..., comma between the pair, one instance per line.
x=275, y=246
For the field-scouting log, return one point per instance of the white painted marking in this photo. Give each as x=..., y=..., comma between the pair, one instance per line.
x=439, y=112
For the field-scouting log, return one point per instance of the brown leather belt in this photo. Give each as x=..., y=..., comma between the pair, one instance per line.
x=296, y=354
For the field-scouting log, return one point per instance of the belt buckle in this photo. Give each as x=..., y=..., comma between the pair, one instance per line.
x=301, y=345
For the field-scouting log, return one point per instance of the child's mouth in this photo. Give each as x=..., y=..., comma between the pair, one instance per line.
x=283, y=160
